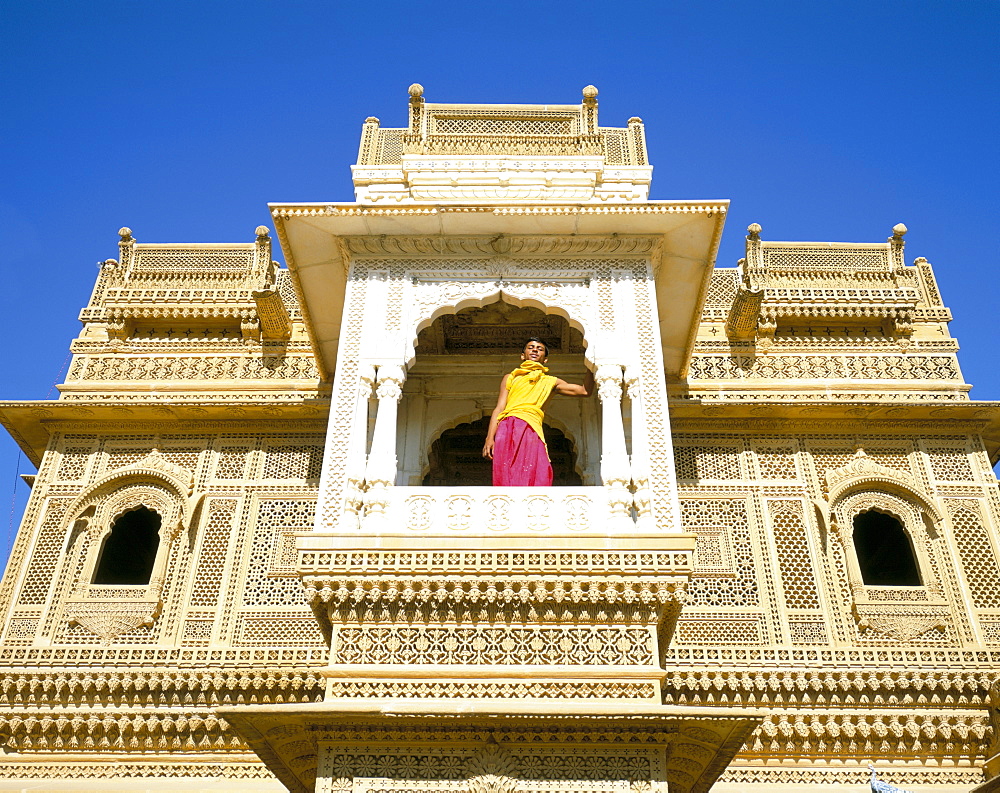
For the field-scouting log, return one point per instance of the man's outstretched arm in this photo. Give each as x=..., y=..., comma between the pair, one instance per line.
x=501, y=404
x=572, y=389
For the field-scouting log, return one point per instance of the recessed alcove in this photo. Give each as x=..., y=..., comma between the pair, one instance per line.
x=129, y=551
x=885, y=553
x=456, y=458
x=452, y=386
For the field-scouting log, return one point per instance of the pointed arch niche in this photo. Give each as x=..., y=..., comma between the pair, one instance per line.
x=452, y=383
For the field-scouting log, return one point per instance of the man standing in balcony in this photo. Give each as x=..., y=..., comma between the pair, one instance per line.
x=515, y=441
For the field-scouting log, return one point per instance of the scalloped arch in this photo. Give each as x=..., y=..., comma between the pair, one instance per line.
x=119, y=480
x=899, y=487
x=496, y=296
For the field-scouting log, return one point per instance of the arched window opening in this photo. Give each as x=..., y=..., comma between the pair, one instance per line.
x=885, y=553
x=456, y=458
x=130, y=549
x=460, y=359
x=497, y=327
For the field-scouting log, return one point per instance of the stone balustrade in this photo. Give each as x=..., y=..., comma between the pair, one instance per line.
x=485, y=510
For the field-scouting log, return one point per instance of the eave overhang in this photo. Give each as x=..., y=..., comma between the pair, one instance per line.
x=288, y=738
x=313, y=237
x=777, y=415
x=32, y=423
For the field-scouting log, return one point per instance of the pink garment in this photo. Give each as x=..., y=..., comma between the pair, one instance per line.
x=519, y=456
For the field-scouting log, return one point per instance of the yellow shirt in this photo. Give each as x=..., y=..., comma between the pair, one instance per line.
x=527, y=389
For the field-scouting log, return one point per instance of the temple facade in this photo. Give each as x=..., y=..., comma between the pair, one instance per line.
x=262, y=549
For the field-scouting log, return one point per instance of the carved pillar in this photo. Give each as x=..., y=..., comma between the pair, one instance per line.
x=896, y=246
x=615, y=471
x=854, y=580
x=639, y=463
x=369, y=142
x=589, y=117
x=413, y=138
x=380, y=473
x=262, y=263
x=249, y=326
x=354, y=501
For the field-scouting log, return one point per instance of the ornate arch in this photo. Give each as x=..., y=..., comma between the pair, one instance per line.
x=571, y=300
x=902, y=613
x=152, y=482
x=905, y=511
x=169, y=485
x=863, y=473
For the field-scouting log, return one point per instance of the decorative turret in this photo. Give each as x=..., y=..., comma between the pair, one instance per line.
x=502, y=152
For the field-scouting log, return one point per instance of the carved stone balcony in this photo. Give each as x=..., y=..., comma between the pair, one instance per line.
x=478, y=510
x=111, y=610
x=487, y=583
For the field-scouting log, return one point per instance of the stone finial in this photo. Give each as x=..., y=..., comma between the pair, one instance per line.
x=898, y=231
x=372, y=120
x=416, y=90
x=634, y=120
x=125, y=233
x=589, y=92
x=754, y=230
x=262, y=233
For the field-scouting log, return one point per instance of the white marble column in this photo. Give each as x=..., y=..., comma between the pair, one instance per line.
x=380, y=473
x=357, y=457
x=615, y=471
x=639, y=462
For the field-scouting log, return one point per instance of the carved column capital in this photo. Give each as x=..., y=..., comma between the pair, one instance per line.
x=609, y=382
x=389, y=389
x=366, y=377
x=633, y=386
x=389, y=382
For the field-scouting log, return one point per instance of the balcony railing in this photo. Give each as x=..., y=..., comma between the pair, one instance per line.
x=479, y=510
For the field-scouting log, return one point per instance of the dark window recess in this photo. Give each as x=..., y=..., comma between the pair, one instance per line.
x=885, y=553
x=456, y=458
x=130, y=549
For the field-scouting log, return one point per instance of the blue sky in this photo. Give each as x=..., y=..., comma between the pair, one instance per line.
x=181, y=120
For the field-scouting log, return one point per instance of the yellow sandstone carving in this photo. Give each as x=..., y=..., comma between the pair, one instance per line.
x=770, y=555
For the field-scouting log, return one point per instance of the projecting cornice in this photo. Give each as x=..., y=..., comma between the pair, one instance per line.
x=817, y=415
x=287, y=738
x=31, y=423
x=501, y=245
x=679, y=238
x=325, y=209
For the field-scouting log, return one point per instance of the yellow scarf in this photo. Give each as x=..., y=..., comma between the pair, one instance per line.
x=527, y=389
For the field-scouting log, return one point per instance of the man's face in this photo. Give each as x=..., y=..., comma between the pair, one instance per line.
x=534, y=351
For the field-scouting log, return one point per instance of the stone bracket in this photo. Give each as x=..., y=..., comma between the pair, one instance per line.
x=275, y=322
x=111, y=618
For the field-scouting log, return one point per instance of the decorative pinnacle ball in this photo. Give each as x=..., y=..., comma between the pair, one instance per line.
x=371, y=120
x=754, y=228
x=589, y=92
x=416, y=89
x=125, y=233
x=899, y=230
x=635, y=120
x=262, y=231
